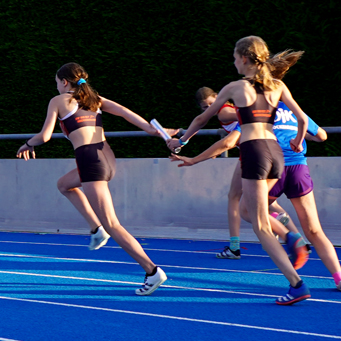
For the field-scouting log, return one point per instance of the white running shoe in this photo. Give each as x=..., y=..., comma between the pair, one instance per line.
x=228, y=254
x=151, y=283
x=98, y=239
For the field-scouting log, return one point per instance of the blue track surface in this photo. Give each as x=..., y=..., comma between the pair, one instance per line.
x=53, y=288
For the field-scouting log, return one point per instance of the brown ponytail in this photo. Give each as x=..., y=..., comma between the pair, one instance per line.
x=75, y=74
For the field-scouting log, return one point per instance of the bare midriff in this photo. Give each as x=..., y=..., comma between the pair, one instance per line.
x=86, y=135
x=256, y=131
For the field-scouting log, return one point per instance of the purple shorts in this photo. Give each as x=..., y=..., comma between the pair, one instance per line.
x=294, y=183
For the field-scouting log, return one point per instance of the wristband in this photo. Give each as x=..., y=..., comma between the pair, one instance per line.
x=182, y=143
x=28, y=145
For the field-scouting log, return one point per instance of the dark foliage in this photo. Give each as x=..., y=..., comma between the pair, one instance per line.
x=151, y=56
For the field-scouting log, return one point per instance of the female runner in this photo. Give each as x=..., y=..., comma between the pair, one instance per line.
x=79, y=109
x=256, y=97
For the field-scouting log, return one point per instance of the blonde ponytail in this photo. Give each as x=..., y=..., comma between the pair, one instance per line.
x=269, y=69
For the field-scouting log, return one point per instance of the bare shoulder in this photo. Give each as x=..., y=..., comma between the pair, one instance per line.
x=238, y=83
x=280, y=84
x=55, y=99
x=234, y=86
x=62, y=104
x=282, y=88
x=62, y=98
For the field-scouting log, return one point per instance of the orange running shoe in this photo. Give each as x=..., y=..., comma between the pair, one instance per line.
x=297, y=250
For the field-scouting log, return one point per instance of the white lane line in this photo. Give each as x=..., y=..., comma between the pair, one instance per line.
x=173, y=317
x=165, y=286
x=145, y=248
x=161, y=265
x=117, y=247
x=3, y=339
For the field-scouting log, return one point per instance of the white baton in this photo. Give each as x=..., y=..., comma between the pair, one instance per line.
x=163, y=132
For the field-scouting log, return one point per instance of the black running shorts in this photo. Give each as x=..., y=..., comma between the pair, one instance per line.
x=261, y=159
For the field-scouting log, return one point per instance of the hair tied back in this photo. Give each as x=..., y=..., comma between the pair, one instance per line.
x=81, y=81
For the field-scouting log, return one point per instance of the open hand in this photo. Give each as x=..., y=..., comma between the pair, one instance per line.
x=24, y=151
x=187, y=161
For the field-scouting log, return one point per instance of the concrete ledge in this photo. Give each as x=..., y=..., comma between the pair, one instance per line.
x=152, y=197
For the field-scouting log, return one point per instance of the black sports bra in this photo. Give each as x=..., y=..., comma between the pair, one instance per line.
x=77, y=119
x=259, y=111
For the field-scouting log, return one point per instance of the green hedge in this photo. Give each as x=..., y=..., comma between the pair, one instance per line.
x=151, y=56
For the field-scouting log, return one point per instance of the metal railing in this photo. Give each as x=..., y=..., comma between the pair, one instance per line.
x=209, y=132
x=220, y=132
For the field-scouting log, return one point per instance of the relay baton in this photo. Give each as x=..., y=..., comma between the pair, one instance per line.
x=163, y=133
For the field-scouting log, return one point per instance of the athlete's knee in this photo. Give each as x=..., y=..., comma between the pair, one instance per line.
x=62, y=186
x=312, y=230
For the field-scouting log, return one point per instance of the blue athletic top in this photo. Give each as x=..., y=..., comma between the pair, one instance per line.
x=285, y=129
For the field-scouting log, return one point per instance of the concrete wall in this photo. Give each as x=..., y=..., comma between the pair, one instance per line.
x=147, y=193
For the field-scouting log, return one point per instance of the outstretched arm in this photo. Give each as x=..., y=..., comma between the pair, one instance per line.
x=45, y=133
x=119, y=110
x=228, y=142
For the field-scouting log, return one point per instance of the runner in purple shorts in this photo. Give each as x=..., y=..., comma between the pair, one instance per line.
x=297, y=185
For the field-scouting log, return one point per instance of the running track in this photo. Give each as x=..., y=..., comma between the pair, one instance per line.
x=53, y=288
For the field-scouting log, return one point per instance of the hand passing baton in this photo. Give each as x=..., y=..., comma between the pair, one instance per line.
x=163, y=133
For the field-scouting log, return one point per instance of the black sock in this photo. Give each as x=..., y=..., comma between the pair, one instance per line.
x=153, y=272
x=95, y=231
x=298, y=285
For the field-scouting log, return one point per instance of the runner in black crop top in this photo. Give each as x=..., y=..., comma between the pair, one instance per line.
x=77, y=119
x=259, y=111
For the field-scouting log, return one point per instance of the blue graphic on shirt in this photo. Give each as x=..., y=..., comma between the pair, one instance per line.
x=285, y=129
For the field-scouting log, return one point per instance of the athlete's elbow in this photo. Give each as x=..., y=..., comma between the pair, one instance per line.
x=323, y=135
x=302, y=118
x=227, y=145
x=45, y=138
